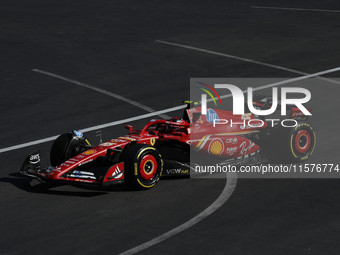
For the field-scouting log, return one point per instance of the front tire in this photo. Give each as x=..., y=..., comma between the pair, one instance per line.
x=67, y=146
x=143, y=166
x=295, y=144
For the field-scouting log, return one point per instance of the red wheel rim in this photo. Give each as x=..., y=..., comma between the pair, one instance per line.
x=302, y=141
x=148, y=167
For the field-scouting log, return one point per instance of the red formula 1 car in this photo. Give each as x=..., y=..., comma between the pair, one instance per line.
x=169, y=147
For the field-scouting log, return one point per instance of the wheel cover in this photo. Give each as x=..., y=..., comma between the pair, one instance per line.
x=302, y=141
x=148, y=167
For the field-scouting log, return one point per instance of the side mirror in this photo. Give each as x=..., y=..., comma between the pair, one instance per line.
x=129, y=127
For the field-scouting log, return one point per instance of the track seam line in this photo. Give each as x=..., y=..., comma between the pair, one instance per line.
x=293, y=9
x=226, y=193
x=108, y=93
x=242, y=59
x=110, y=124
x=114, y=123
x=231, y=180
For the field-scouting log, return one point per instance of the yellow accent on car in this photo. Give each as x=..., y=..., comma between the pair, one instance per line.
x=291, y=146
x=314, y=143
x=216, y=147
x=231, y=133
x=199, y=144
x=145, y=150
x=136, y=169
x=145, y=185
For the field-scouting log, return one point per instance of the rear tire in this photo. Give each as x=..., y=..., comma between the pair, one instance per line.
x=143, y=166
x=67, y=146
x=293, y=145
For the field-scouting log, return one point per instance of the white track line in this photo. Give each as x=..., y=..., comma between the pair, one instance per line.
x=114, y=123
x=24, y=145
x=228, y=189
x=288, y=81
x=243, y=59
x=224, y=196
x=293, y=9
x=147, y=115
x=82, y=84
x=231, y=177
x=230, y=56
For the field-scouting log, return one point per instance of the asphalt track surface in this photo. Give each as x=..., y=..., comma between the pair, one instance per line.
x=114, y=46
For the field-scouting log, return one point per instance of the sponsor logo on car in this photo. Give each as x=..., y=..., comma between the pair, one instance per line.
x=211, y=116
x=35, y=159
x=246, y=116
x=216, y=147
x=122, y=140
x=231, y=151
x=177, y=171
x=231, y=140
x=244, y=148
x=117, y=173
x=89, y=152
x=296, y=114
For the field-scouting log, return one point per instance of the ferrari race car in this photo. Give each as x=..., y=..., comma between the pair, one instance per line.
x=169, y=147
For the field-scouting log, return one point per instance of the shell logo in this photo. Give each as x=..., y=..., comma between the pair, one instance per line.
x=216, y=147
x=89, y=152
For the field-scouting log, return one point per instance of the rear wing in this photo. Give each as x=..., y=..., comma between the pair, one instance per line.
x=297, y=114
x=265, y=102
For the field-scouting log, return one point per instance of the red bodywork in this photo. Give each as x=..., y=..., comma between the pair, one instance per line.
x=226, y=139
x=221, y=140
